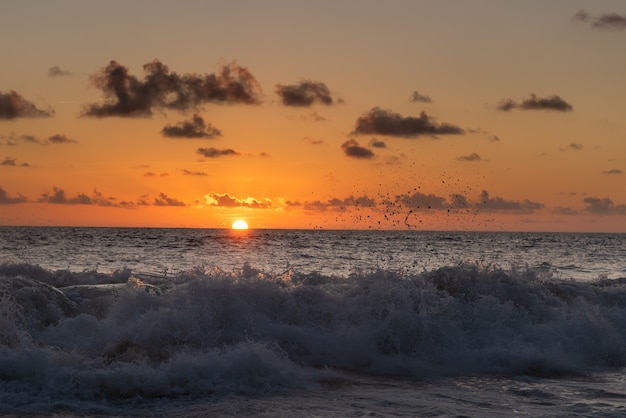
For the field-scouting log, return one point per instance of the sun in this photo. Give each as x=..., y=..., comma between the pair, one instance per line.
x=239, y=224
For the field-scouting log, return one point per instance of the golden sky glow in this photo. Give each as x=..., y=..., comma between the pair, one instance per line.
x=291, y=114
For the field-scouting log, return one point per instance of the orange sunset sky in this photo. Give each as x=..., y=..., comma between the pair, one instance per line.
x=473, y=115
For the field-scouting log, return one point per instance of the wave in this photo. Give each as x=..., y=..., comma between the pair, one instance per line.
x=86, y=337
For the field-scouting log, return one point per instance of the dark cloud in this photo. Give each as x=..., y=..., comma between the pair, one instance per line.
x=470, y=157
x=59, y=197
x=419, y=200
x=194, y=128
x=533, y=102
x=603, y=206
x=384, y=122
x=613, y=171
x=228, y=201
x=351, y=148
x=13, y=105
x=57, y=71
x=304, y=94
x=604, y=21
x=416, y=97
x=194, y=173
x=376, y=143
x=488, y=203
x=165, y=200
x=215, y=153
x=338, y=204
x=126, y=95
x=60, y=139
x=5, y=199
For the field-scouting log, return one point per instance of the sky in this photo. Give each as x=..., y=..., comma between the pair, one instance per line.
x=425, y=115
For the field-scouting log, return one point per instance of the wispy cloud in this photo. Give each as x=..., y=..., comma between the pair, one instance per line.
x=5, y=199
x=215, y=153
x=533, y=102
x=573, y=146
x=128, y=96
x=57, y=71
x=351, y=148
x=613, y=171
x=604, y=21
x=417, y=97
x=13, y=105
x=473, y=157
x=305, y=94
x=194, y=128
x=384, y=122
x=194, y=173
x=56, y=139
x=61, y=139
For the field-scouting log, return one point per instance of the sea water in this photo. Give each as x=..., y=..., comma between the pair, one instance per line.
x=193, y=322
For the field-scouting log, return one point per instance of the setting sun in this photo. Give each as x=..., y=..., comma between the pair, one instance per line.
x=240, y=225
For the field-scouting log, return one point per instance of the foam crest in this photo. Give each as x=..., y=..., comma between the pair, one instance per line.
x=210, y=331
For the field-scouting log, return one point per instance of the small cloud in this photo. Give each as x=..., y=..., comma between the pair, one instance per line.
x=376, y=143
x=488, y=203
x=61, y=139
x=215, y=153
x=128, y=96
x=603, y=206
x=314, y=116
x=533, y=102
x=573, y=147
x=304, y=94
x=613, y=171
x=227, y=201
x=12, y=162
x=194, y=173
x=194, y=128
x=59, y=197
x=337, y=204
x=13, y=105
x=384, y=122
x=165, y=200
x=470, y=157
x=313, y=141
x=416, y=97
x=57, y=71
x=9, y=161
x=559, y=210
x=351, y=148
x=5, y=199
x=613, y=21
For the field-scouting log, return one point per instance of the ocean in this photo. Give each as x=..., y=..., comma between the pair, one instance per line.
x=314, y=323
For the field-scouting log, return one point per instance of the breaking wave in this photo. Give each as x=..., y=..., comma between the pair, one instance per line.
x=81, y=338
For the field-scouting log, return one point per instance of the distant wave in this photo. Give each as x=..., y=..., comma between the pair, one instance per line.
x=89, y=336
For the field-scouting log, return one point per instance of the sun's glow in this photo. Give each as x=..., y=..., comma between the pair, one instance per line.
x=239, y=224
